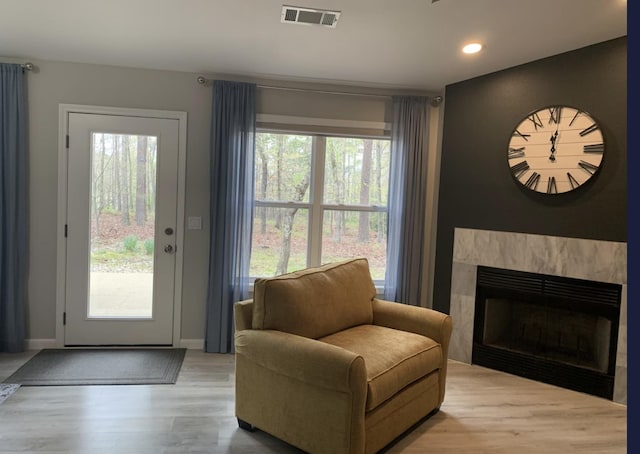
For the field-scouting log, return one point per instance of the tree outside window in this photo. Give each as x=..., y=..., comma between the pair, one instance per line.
x=319, y=200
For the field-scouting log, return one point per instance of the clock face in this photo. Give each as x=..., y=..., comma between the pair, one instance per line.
x=556, y=149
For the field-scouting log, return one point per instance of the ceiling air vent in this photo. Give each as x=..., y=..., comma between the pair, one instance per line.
x=308, y=16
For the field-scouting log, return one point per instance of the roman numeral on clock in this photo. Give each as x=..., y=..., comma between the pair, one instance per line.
x=588, y=167
x=595, y=148
x=554, y=114
x=588, y=130
x=519, y=168
x=515, y=153
x=551, y=186
x=517, y=133
x=572, y=181
x=535, y=119
x=532, y=182
x=574, y=117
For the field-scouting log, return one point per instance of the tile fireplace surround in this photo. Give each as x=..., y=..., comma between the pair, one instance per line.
x=603, y=261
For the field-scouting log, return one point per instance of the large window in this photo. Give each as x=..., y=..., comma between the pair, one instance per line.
x=318, y=200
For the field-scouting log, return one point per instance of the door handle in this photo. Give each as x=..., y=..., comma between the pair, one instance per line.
x=168, y=249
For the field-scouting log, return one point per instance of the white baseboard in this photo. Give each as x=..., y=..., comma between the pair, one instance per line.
x=39, y=344
x=192, y=344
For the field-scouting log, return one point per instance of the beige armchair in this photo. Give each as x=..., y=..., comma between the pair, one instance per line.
x=326, y=367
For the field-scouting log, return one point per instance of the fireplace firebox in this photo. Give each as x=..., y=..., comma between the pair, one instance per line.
x=552, y=329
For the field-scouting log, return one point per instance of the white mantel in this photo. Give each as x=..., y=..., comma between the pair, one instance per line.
x=602, y=261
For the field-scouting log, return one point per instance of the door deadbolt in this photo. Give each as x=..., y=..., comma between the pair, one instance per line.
x=168, y=231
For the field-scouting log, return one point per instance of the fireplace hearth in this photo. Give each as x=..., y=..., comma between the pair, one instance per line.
x=554, y=329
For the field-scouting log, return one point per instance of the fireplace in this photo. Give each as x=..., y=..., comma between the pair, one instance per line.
x=554, y=329
x=577, y=258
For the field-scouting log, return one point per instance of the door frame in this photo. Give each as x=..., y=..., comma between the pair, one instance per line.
x=61, y=273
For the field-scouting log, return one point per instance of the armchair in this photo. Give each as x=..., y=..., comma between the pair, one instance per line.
x=325, y=366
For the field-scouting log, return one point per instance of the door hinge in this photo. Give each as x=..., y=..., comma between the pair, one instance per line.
x=64, y=318
x=67, y=141
x=66, y=230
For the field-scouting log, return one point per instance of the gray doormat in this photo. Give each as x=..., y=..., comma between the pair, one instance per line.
x=6, y=390
x=111, y=366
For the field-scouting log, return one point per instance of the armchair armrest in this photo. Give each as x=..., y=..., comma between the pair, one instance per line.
x=308, y=360
x=420, y=320
x=243, y=315
x=307, y=392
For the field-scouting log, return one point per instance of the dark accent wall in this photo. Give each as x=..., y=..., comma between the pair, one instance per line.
x=476, y=187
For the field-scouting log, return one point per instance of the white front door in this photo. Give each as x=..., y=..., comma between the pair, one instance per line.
x=121, y=229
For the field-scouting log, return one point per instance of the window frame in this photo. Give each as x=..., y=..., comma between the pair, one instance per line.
x=316, y=206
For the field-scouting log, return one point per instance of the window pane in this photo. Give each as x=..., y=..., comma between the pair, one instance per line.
x=121, y=260
x=282, y=167
x=356, y=171
x=279, y=243
x=348, y=234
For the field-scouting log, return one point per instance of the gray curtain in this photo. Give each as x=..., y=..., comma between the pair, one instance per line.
x=232, y=149
x=407, y=200
x=13, y=208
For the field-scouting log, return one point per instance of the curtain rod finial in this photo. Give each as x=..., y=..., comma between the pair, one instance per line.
x=436, y=100
x=202, y=80
x=28, y=66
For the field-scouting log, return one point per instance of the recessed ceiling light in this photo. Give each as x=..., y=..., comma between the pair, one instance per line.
x=472, y=48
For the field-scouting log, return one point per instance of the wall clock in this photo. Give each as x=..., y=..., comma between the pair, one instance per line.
x=555, y=150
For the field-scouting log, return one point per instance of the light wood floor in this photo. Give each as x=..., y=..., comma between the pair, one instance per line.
x=484, y=412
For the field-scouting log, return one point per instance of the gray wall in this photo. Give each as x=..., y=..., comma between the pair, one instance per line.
x=67, y=83
x=476, y=186
x=57, y=83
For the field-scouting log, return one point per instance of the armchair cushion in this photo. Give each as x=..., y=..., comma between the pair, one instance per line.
x=394, y=359
x=317, y=301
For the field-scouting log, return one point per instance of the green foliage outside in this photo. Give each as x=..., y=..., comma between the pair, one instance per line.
x=355, y=173
x=266, y=249
x=123, y=194
x=119, y=249
x=130, y=243
x=148, y=246
x=120, y=260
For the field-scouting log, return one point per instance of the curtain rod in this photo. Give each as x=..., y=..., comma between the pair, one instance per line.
x=26, y=66
x=435, y=100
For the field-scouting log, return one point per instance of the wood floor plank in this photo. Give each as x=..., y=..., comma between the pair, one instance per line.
x=485, y=411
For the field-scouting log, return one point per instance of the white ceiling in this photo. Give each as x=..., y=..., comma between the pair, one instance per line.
x=413, y=44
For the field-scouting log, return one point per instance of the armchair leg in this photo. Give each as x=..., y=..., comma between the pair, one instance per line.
x=246, y=426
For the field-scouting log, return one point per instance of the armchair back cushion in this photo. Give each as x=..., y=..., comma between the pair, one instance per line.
x=315, y=302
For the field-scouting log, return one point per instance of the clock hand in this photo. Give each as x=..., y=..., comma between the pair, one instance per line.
x=553, y=139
